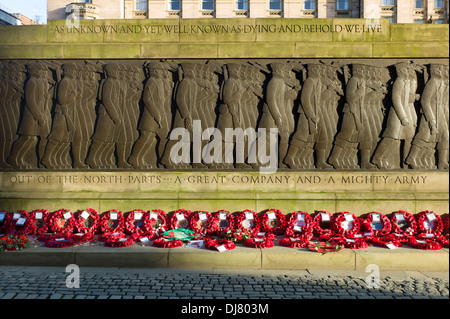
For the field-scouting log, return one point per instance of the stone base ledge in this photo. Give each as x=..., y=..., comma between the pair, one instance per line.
x=275, y=258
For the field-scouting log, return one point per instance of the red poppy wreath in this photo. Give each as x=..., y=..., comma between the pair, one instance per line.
x=259, y=243
x=429, y=222
x=180, y=219
x=88, y=221
x=223, y=221
x=62, y=222
x=164, y=243
x=403, y=223
x=346, y=224
x=273, y=221
x=112, y=221
x=136, y=224
x=199, y=222
x=377, y=223
x=158, y=222
x=322, y=222
x=40, y=221
x=294, y=242
x=300, y=224
x=248, y=220
x=219, y=244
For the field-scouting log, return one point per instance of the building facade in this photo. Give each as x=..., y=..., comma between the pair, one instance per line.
x=397, y=11
x=8, y=18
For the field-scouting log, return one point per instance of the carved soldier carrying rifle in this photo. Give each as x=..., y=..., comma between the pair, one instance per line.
x=433, y=126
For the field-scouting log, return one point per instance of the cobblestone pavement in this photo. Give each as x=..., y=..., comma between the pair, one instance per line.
x=122, y=283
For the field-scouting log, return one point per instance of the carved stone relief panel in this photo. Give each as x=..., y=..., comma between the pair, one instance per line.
x=163, y=114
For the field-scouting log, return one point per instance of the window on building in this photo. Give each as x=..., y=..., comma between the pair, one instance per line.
x=418, y=4
x=418, y=21
x=174, y=5
x=391, y=19
x=241, y=4
x=439, y=21
x=87, y=1
x=141, y=5
x=438, y=4
x=309, y=4
x=208, y=5
x=342, y=4
x=274, y=4
x=387, y=2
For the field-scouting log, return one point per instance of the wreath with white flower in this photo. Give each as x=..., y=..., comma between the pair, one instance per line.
x=200, y=221
x=136, y=224
x=403, y=224
x=346, y=224
x=377, y=223
x=157, y=222
x=62, y=222
x=112, y=221
x=247, y=220
x=300, y=224
x=180, y=219
x=429, y=222
x=273, y=221
x=87, y=221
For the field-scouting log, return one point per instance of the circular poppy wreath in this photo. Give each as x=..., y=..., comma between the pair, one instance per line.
x=24, y=229
x=89, y=224
x=221, y=225
x=59, y=224
x=120, y=242
x=422, y=223
x=355, y=243
x=367, y=224
x=241, y=222
x=402, y=238
x=111, y=236
x=9, y=222
x=213, y=244
x=199, y=226
x=109, y=226
x=411, y=226
x=59, y=242
x=82, y=237
x=175, y=222
x=294, y=242
x=276, y=226
x=258, y=243
x=162, y=243
x=39, y=225
x=137, y=227
x=318, y=229
x=157, y=224
x=339, y=219
x=431, y=244
x=306, y=229
x=382, y=242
